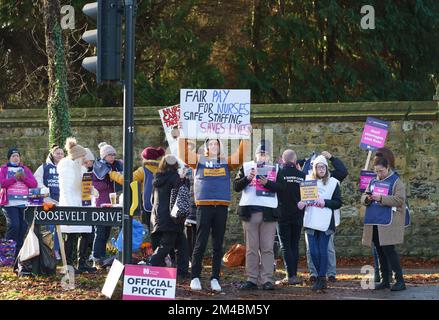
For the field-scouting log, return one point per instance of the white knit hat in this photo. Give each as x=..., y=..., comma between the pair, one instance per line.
x=319, y=159
x=105, y=149
x=89, y=155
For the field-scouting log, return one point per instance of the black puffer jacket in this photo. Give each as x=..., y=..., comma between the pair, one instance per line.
x=162, y=184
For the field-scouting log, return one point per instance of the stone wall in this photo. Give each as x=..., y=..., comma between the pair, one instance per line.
x=303, y=127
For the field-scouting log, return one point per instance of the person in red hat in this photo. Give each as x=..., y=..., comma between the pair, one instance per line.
x=151, y=157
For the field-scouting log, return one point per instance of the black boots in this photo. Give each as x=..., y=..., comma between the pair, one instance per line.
x=399, y=285
x=320, y=284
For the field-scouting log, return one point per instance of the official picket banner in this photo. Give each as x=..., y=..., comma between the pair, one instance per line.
x=216, y=114
x=143, y=282
x=170, y=117
x=374, y=134
x=77, y=216
x=365, y=177
x=308, y=191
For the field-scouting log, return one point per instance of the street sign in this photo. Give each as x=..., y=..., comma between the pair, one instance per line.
x=78, y=216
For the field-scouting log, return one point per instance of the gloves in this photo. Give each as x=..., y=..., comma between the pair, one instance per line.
x=320, y=203
x=19, y=174
x=301, y=205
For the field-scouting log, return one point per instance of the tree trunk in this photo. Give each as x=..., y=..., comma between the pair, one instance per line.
x=57, y=102
x=256, y=43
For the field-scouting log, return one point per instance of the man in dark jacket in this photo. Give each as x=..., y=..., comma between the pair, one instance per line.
x=291, y=221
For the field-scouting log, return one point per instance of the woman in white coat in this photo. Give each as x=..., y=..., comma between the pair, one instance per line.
x=70, y=171
x=320, y=218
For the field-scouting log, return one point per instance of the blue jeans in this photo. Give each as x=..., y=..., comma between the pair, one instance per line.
x=289, y=236
x=102, y=234
x=318, y=247
x=332, y=260
x=16, y=226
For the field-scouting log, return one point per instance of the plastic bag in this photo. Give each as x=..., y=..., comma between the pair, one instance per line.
x=47, y=260
x=139, y=232
x=31, y=246
x=235, y=257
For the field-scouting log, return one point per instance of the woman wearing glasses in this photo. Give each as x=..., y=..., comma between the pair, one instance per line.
x=319, y=218
x=384, y=220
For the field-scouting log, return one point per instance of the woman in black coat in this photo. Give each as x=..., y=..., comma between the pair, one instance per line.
x=168, y=234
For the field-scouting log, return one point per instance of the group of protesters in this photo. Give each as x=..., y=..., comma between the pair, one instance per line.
x=207, y=174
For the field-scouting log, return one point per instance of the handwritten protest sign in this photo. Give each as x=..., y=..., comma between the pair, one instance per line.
x=149, y=283
x=365, y=177
x=170, y=117
x=374, y=134
x=219, y=114
x=308, y=191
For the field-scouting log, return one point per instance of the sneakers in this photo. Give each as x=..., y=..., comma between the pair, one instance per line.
x=290, y=281
x=332, y=279
x=320, y=284
x=382, y=285
x=268, y=286
x=398, y=286
x=214, y=285
x=196, y=284
x=248, y=285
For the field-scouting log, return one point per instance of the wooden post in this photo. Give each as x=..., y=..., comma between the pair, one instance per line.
x=368, y=160
x=61, y=247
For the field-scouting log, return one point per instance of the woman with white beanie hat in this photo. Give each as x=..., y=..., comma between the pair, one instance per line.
x=104, y=185
x=319, y=218
x=70, y=170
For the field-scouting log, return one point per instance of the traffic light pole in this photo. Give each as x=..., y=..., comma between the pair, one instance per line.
x=128, y=122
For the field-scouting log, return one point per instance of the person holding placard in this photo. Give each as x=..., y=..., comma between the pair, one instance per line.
x=15, y=180
x=260, y=182
x=384, y=221
x=70, y=173
x=104, y=185
x=212, y=198
x=47, y=178
x=319, y=218
x=339, y=172
x=151, y=157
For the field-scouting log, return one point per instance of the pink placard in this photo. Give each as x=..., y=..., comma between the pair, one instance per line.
x=149, y=283
x=373, y=136
x=381, y=190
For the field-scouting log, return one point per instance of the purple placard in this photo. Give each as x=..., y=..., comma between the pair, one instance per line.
x=365, y=177
x=381, y=189
x=374, y=134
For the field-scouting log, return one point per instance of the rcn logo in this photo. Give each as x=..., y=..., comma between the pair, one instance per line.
x=148, y=271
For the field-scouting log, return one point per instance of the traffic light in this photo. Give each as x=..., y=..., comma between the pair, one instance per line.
x=107, y=38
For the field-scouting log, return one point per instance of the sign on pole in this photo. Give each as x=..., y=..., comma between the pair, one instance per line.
x=149, y=283
x=374, y=134
x=216, y=114
x=170, y=117
x=365, y=177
